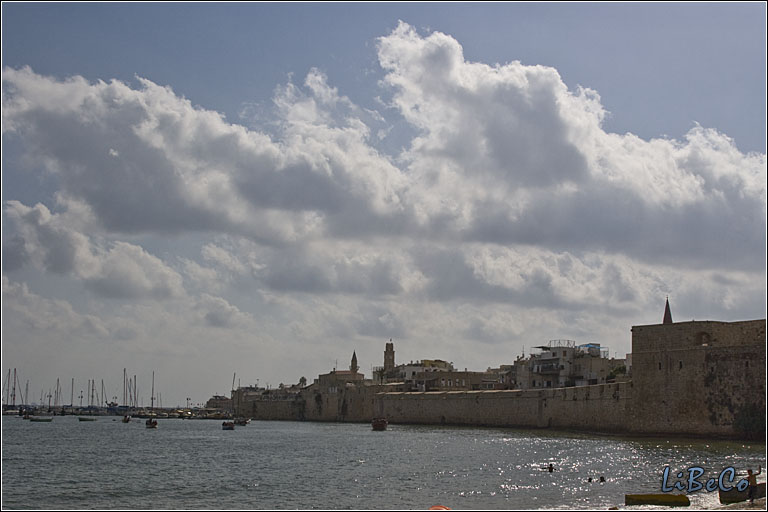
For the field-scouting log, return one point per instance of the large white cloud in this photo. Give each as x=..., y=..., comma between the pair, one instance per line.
x=507, y=154
x=145, y=160
x=124, y=270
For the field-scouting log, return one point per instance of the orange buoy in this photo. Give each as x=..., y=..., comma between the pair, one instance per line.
x=439, y=507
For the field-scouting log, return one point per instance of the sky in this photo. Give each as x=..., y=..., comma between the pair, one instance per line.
x=250, y=192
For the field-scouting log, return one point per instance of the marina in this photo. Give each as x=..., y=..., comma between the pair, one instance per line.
x=302, y=465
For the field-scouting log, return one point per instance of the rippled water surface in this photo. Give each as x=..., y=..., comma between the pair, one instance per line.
x=194, y=464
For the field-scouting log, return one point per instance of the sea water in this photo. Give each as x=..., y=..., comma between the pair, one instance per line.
x=194, y=464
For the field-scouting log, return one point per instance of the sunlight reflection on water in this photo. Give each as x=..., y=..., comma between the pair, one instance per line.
x=189, y=464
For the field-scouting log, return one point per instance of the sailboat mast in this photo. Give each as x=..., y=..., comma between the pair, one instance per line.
x=152, y=399
x=21, y=396
x=8, y=387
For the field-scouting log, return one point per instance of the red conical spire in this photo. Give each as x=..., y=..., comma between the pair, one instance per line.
x=667, y=314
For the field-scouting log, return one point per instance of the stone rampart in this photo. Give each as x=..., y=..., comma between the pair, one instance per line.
x=270, y=409
x=689, y=379
x=600, y=407
x=352, y=403
x=700, y=378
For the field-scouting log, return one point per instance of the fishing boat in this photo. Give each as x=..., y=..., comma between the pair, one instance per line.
x=151, y=423
x=664, y=500
x=736, y=496
x=228, y=425
x=46, y=419
x=379, y=424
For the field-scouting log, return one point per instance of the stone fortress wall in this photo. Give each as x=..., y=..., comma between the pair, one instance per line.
x=702, y=377
x=599, y=408
x=691, y=378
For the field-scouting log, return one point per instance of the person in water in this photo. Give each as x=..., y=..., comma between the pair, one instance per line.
x=602, y=479
x=551, y=467
x=752, y=479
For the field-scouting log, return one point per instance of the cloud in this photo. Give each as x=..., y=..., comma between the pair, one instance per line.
x=123, y=271
x=127, y=271
x=147, y=161
x=508, y=155
x=219, y=313
x=41, y=315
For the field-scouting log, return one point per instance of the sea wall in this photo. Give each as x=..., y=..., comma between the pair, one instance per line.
x=601, y=408
x=270, y=409
x=704, y=379
x=353, y=404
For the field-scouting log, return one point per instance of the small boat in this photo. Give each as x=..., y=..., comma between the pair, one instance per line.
x=127, y=418
x=46, y=419
x=151, y=423
x=664, y=500
x=228, y=425
x=242, y=421
x=379, y=424
x=735, y=496
x=85, y=418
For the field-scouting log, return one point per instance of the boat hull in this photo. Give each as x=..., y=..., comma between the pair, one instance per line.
x=664, y=500
x=736, y=496
x=379, y=424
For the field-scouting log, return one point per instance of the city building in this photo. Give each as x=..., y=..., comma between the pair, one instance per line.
x=340, y=378
x=218, y=402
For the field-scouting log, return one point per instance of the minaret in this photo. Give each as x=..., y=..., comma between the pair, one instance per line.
x=353, y=366
x=389, y=356
x=667, y=314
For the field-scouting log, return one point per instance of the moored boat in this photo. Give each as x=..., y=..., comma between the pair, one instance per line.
x=228, y=425
x=46, y=419
x=85, y=418
x=151, y=421
x=664, y=500
x=242, y=421
x=127, y=418
x=735, y=496
x=379, y=424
